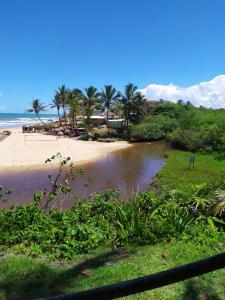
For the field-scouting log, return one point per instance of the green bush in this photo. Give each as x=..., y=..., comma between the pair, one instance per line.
x=106, y=220
x=155, y=127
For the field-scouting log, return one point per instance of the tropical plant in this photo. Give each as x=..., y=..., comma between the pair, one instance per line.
x=109, y=95
x=127, y=100
x=4, y=194
x=74, y=105
x=63, y=95
x=218, y=206
x=56, y=103
x=90, y=98
x=60, y=183
x=134, y=104
x=37, y=107
x=139, y=108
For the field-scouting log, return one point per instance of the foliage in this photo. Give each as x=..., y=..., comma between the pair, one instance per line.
x=4, y=194
x=185, y=126
x=108, y=96
x=106, y=220
x=56, y=103
x=177, y=172
x=155, y=127
x=62, y=95
x=60, y=185
x=37, y=107
x=134, y=104
x=74, y=104
x=90, y=98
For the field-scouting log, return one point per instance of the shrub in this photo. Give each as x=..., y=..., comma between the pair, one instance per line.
x=154, y=128
x=106, y=220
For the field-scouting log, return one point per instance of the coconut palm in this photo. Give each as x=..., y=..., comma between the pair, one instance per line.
x=37, y=107
x=56, y=103
x=127, y=100
x=139, y=108
x=108, y=96
x=134, y=104
x=74, y=105
x=63, y=94
x=90, y=98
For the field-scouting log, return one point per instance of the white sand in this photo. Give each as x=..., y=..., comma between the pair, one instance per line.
x=21, y=150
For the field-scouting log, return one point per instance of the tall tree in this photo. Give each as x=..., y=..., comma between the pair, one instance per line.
x=63, y=95
x=74, y=105
x=108, y=96
x=56, y=103
x=127, y=100
x=134, y=104
x=37, y=107
x=90, y=98
x=139, y=108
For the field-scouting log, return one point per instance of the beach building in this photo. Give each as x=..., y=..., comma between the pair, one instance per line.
x=116, y=123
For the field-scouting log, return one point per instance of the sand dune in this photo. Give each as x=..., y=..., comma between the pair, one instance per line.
x=21, y=150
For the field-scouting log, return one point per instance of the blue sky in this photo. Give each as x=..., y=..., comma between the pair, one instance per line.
x=45, y=43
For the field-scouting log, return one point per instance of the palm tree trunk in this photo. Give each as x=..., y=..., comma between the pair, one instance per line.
x=73, y=122
x=107, y=119
x=64, y=112
x=40, y=119
x=59, y=117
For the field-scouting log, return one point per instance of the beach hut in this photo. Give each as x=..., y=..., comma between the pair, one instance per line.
x=97, y=120
x=116, y=123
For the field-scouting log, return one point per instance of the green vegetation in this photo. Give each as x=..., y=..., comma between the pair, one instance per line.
x=149, y=218
x=155, y=127
x=178, y=223
x=28, y=278
x=37, y=107
x=186, y=127
x=131, y=105
x=108, y=96
x=177, y=172
x=134, y=104
x=181, y=219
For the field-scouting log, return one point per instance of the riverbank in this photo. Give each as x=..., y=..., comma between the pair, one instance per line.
x=30, y=151
x=173, y=233
x=177, y=171
x=130, y=169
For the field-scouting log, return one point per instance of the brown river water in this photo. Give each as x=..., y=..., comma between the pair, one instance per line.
x=129, y=169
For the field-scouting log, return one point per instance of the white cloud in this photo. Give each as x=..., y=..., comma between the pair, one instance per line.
x=209, y=93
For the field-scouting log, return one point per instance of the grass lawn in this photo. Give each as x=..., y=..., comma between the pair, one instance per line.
x=177, y=171
x=26, y=278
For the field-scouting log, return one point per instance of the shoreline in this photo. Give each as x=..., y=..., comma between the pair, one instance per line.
x=19, y=154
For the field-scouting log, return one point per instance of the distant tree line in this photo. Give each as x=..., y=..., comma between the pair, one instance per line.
x=131, y=104
x=185, y=126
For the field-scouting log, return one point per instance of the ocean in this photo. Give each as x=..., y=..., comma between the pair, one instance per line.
x=10, y=120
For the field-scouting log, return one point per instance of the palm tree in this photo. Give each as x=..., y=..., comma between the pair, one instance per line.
x=127, y=100
x=108, y=96
x=63, y=94
x=139, y=108
x=134, y=104
x=74, y=105
x=90, y=98
x=37, y=107
x=56, y=103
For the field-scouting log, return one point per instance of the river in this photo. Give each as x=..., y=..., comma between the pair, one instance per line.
x=130, y=169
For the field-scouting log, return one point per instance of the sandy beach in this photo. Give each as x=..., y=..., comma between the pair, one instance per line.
x=27, y=151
